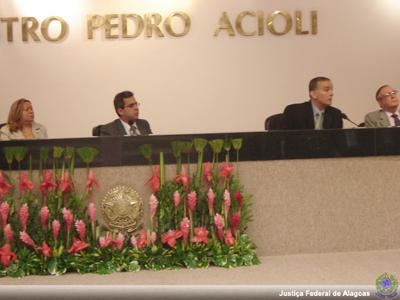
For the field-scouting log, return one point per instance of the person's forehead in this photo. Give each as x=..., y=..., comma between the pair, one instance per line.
x=386, y=89
x=324, y=83
x=129, y=100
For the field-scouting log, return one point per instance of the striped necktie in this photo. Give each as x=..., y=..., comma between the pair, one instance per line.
x=133, y=130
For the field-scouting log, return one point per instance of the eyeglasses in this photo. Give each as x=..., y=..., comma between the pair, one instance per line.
x=386, y=95
x=132, y=105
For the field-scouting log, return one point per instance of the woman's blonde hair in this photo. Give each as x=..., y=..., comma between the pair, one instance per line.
x=15, y=115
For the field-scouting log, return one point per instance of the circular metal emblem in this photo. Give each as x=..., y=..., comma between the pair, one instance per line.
x=122, y=209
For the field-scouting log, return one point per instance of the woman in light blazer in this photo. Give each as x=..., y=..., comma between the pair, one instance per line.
x=21, y=124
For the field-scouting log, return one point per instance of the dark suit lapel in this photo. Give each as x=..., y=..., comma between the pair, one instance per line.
x=310, y=115
x=119, y=127
x=327, y=118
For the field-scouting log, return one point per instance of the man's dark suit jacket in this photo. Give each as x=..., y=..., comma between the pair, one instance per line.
x=301, y=116
x=115, y=128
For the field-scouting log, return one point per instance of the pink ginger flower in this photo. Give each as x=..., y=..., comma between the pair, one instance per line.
x=211, y=197
x=134, y=242
x=8, y=233
x=24, y=237
x=45, y=249
x=207, y=172
x=80, y=227
x=119, y=241
x=77, y=246
x=229, y=239
x=192, y=199
x=44, y=216
x=23, y=216
x=235, y=222
x=91, y=211
x=65, y=184
x=170, y=237
x=183, y=178
x=4, y=212
x=239, y=199
x=4, y=185
x=177, y=199
x=6, y=255
x=219, y=223
x=91, y=180
x=105, y=241
x=47, y=185
x=201, y=234
x=56, y=229
x=153, y=205
x=185, y=228
x=154, y=180
x=68, y=218
x=25, y=184
x=142, y=239
x=153, y=238
x=227, y=201
x=226, y=170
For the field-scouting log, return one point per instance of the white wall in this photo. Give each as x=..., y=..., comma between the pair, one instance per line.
x=198, y=83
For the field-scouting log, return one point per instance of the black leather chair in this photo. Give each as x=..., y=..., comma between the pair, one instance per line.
x=96, y=130
x=274, y=122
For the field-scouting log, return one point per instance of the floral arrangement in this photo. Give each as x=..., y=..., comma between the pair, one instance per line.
x=195, y=220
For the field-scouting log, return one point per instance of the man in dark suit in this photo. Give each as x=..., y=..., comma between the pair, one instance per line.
x=128, y=124
x=317, y=113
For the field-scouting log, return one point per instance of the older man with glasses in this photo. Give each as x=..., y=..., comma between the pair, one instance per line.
x=128, y=123
x=388, y=115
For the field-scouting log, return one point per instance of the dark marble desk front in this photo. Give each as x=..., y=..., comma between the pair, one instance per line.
x=266, y=145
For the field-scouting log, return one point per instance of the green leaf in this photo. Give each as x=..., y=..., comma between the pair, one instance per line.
x=216, y=145
x=44, y=153
x=57, y=152
x=237, y=144
x=227, y=144
x=177, y=148
x=146, y=151
x=199, y=144
x=87, y=154
x=69, y=152
x=134, y=266
x=187, y=147
x=9, y=154
x=19, y=153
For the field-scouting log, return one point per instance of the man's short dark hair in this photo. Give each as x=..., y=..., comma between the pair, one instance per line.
x=119, y=100
x=312, y=86
x=379, y=90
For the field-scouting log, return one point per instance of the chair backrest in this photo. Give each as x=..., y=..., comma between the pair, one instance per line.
x=96, y=130
x=273, y=122
x=2, y=124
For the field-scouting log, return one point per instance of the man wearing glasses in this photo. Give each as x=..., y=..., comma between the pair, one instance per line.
x=388, y=115
x=128, y=124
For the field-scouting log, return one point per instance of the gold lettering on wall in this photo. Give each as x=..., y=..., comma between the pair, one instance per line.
x=139, y=25
x=44, y=28
x=314, y=22
x=225, y=24
x=247, y=23
x=9, y=22
x=152, y=22
x=239, y=23
x=93, y=22
x=29, y=27
x=272, y=17
x=109, y=26
x=185, y=19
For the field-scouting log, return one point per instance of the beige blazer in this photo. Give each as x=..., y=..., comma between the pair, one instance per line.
x=39, y=132
x=377, y=119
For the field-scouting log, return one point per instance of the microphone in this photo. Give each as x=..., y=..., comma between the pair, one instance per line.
x=344, y=116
